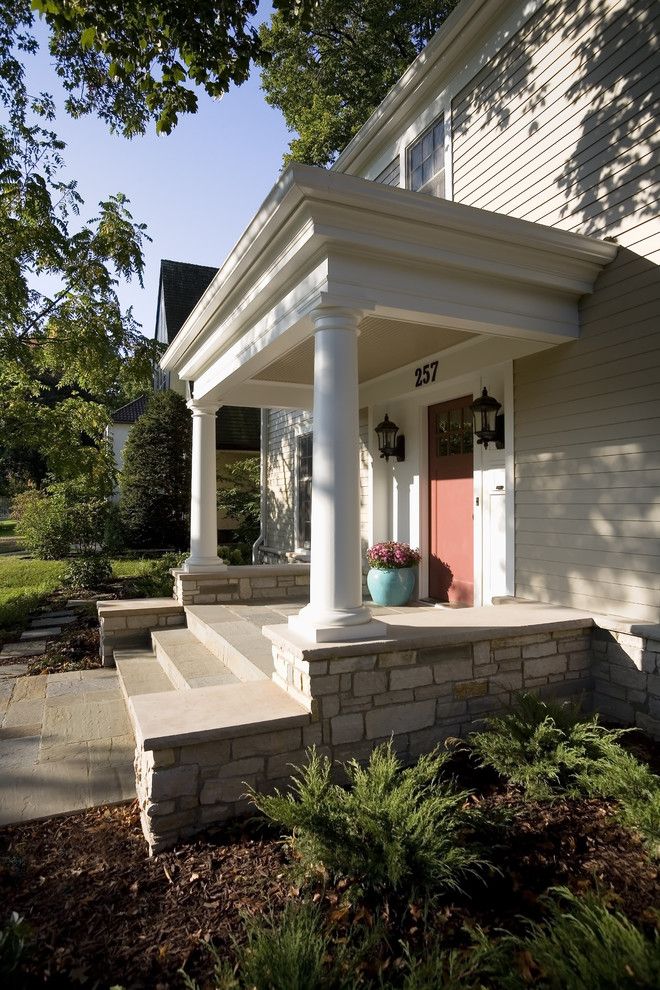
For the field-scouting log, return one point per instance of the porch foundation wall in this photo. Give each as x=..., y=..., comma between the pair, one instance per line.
x=421, y=696
x=417, y=697
x=242, y=584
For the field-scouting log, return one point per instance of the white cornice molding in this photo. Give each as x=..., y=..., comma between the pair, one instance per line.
x=313, y=215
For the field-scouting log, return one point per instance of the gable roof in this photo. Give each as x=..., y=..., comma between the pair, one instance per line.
x=181, y=285
x=131, y=411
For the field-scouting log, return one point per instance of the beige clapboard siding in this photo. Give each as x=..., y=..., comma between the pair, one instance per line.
x=540, y=146
x=561, y=128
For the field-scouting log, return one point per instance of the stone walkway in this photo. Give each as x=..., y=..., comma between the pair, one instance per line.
x=65, y=739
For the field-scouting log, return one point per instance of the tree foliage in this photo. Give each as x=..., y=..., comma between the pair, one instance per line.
x=67, y=350
x=130, y=62
x=239, y=497
x=329, y=74
x=155, y=481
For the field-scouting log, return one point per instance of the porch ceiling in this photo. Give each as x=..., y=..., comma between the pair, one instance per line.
x=383, y=346
x=426, y=275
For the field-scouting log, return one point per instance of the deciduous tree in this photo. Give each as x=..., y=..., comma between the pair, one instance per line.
x=329, y=73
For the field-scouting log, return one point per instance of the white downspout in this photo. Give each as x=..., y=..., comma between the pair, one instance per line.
x=263, y=478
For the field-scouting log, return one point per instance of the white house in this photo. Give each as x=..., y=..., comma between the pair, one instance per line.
x=494, y=225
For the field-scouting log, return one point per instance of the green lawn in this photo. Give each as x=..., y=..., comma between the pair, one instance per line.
x=7, y=527
x=25, y=584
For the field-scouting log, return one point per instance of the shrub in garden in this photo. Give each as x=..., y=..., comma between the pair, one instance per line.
x=154, y=579
x=390, y=829
x=581, y=945
x=42, y=523
x=155, y=482
x=544, y=748
x=584, y=946
x=547, y=749
x=87, y=573
x=61, y=518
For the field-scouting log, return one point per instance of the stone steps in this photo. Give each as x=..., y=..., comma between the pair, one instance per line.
x=233, y=640
x=187, y=662
x=141, y=673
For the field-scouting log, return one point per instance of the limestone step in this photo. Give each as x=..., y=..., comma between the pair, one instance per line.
x=140, y=673
x=185, y=718
x=237, y=642
x=187, y=662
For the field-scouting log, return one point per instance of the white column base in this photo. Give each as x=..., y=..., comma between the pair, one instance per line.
x=337, y=627
x=192, y=565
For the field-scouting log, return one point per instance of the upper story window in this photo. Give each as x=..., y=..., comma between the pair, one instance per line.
x=426, y=161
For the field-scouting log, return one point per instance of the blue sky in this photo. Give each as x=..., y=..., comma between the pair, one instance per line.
x=196, y=189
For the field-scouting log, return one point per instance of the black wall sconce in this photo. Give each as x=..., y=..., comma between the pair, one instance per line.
x=488, y=420
x=389, y=444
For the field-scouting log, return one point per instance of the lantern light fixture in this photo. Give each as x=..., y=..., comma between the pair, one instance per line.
x=389, y=444
x=488, y=420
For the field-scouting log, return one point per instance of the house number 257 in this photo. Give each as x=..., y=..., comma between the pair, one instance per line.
x=426, y=374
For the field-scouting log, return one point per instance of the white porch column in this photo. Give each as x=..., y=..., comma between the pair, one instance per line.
x=203, y=507
x=335, y=610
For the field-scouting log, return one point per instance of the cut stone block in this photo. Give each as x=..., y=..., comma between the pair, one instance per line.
x=188, y=663
x=18, y=650
x=47, y=621
x=184, y=718
x=37, y=634
x=141, y=673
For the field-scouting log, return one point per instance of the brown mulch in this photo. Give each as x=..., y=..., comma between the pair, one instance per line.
x=104, y=913
x=77, y=648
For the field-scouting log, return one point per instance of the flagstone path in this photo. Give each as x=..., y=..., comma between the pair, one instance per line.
x=65, y=739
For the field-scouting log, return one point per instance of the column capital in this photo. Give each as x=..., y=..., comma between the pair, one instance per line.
x=202, y=408
x=335, y=318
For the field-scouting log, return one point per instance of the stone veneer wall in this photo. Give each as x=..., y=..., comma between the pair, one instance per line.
x=356, y=699
x=626, y=671
x=242, y=584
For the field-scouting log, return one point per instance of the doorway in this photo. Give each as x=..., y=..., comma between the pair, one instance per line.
x=451, y=492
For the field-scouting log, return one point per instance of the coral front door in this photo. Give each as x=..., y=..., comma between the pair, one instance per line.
x=451, y=564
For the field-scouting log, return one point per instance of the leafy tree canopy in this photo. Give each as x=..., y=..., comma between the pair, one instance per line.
x=67, y=350
x=130, y=62
x=328, y=74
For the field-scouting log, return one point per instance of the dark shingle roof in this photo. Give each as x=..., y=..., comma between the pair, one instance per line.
x=182, y=286
x=238, y=428
x=131, y=411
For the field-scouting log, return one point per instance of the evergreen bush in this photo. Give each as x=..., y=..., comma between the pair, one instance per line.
x=390, y=829
x=155, y=483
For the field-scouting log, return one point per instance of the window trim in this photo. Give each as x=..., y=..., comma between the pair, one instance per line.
x=416, y=139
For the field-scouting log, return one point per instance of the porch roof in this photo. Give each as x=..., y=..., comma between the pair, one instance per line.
x=427, y=274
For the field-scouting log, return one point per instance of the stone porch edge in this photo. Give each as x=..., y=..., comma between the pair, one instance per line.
x=282, y=636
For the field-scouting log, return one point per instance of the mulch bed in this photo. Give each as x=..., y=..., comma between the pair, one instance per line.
x=104, y=913
x=77, y=648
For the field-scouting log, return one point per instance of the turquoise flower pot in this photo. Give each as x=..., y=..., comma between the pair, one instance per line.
x=391, y=587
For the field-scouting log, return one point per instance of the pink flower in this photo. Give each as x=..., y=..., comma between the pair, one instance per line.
x=391, y=555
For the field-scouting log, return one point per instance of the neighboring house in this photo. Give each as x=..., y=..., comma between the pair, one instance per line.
x=493, y=225
x=180, y=287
